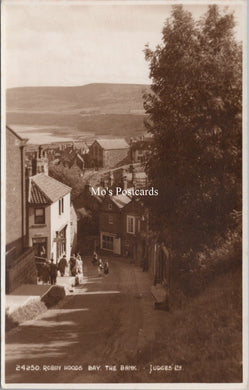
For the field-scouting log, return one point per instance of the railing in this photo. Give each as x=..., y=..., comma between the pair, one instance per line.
x=39, y=259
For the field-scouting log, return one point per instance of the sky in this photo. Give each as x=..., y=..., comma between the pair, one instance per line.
x=68, y=44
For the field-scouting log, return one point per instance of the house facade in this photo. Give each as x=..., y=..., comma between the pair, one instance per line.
x=123, y=225
x=108, y=153
x=20, y=261
x=73, y=229
x=49, y=217
x=140, y=149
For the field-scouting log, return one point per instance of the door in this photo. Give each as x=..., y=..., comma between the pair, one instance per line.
x=40, y=247
x=117, y=246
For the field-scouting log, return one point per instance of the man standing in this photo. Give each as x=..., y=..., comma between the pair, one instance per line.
x=53, y=272
x=62, y=265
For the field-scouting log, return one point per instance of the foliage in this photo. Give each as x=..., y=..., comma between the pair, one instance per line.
x=196, y=271
x=54, y=295
x=205, y=337
x=194, y=114
x=72, y=177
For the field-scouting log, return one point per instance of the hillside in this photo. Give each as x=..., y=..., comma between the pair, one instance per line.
x=101, y=109
x=91, y=98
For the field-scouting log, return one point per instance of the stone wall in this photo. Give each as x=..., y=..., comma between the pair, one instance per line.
x=21, y=271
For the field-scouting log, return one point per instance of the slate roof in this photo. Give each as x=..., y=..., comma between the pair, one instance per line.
x=44, y=189
x=114, y=143
x=121, y=200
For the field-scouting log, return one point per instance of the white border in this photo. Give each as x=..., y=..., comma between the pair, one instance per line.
x=154, y=386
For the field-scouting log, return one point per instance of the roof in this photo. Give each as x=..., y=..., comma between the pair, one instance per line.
x=24, y=140
x=140, y=175
x=121, y=200
x=114, y=143
x=44, y=189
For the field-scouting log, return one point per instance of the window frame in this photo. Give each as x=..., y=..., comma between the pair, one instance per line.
x=107, y=242
x=133, y=219
x=41, y=218
x=61, y=206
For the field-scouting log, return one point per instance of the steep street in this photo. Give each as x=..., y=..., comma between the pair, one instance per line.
x=105, y=321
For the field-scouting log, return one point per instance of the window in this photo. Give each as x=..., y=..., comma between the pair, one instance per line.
x=110, y=219
x=39, y=216
x=109, y=206
x=130, y=224
x=61, y=242
x=61, y=206
x=107, y=242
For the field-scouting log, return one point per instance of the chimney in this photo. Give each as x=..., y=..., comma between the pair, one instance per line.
x=111, y=179
x=34, y=165
x=134, y=177
x=40, y=151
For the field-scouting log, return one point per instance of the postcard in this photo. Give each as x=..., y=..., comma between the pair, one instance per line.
x=124, y=195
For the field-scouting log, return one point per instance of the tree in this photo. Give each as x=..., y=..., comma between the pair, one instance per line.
x=72, y=177
x=194, y=114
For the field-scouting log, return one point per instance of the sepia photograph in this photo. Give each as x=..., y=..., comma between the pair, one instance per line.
x=124, y=194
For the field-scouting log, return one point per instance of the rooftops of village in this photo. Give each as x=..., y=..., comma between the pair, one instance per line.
x=114, y=143
x=44, y=189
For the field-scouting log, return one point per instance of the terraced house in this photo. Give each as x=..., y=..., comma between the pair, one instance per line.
x=123, y=226
x=49, y=217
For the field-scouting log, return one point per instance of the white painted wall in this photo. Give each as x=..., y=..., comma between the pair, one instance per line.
x=58, y=222
x=40, y=231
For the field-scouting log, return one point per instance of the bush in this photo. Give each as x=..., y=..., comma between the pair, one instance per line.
x=193, y=272
x=53, y=296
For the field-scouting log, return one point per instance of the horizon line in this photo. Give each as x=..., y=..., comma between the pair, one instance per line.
x=76, y=85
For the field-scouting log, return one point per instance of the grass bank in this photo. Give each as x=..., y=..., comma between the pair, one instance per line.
x=204, y=338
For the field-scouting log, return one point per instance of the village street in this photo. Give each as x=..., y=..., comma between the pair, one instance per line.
x=108, y=320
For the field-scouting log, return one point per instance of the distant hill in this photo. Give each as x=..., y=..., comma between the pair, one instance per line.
x=106, y=109
x=91, y=98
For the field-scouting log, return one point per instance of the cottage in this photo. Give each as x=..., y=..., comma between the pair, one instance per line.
x=108, y=153
x=123, y=225
x=110, y=222
x=49, y=217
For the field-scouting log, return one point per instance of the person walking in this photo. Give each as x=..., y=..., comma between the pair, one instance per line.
x=100, y=267
x=95, y=258
x=72, y=263
x=45, y=272
x=62, y=265
x=53, y=272
x=106, y=268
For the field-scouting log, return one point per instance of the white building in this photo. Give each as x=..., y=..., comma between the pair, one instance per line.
x=49, y=217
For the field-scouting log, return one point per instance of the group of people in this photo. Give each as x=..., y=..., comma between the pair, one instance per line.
x=50, y=270
x=76, y=264
x=103, y=267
